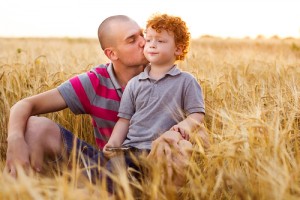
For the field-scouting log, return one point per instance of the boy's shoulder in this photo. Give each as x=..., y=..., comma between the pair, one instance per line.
x=187, y=75
x=133, y=81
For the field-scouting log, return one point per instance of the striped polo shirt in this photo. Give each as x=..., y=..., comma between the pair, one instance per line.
x=98, y=94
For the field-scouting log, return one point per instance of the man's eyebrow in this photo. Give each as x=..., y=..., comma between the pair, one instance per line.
x=130, y=37
x=135, y=35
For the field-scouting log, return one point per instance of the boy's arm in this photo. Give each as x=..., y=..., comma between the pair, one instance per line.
x=117, y=137
x=163, y=145
x=119, y=133
x=189, y=124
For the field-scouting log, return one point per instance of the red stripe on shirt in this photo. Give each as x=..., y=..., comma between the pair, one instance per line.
x=104, y=113
x=106, y=131
x=94, y=122
x=100, y=143
x=81, y=94
x=102, y=71
x=102, y=90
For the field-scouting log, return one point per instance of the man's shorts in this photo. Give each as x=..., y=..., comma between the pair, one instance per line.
x=91, y=158
x=84, y=151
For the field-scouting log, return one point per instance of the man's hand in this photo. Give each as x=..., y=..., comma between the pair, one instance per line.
x=163, y=145
x=17, y=155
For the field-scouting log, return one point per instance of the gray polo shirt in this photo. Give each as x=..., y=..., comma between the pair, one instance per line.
x=154, y=106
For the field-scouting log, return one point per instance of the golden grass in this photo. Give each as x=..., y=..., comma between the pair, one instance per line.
x=251, y=90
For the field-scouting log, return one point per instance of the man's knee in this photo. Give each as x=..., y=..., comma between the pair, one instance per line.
x=36, y=126
x=43, y=131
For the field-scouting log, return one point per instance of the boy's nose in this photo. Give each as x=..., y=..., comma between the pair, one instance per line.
x=152, y=44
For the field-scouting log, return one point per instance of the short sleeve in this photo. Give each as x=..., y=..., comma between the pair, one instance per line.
x=78, y=92
x=193, y=99
x=127, y=105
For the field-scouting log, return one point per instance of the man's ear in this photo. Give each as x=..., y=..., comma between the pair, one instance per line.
x=110, y=53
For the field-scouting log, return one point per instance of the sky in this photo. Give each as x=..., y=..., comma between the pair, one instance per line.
x=220, y=18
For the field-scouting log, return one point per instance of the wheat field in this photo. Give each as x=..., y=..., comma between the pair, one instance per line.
x=251, y=89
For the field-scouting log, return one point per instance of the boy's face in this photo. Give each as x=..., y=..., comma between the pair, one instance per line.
x=160, y=48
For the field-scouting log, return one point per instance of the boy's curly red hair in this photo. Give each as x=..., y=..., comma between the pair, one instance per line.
x=175, y=25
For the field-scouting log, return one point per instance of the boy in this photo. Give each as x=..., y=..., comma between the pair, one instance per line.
x=162, y=97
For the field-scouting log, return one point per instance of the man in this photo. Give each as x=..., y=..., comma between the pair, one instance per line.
x=97, y=93
x=29, y=138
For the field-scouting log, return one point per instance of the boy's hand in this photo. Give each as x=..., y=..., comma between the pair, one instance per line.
x=107, y=153
x=180, y=130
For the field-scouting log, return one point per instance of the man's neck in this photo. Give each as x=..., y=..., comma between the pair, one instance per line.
x=124, y=74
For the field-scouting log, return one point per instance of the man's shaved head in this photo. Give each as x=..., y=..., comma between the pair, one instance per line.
x=107, y=29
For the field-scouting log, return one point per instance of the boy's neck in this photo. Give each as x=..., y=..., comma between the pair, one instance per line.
x=157, y=72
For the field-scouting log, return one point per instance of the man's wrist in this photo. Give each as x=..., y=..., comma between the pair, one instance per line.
x=14, y=137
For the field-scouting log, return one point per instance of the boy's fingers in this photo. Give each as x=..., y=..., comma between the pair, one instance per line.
x=168, y=152
x=171, y=143
x=175, y=128
x=109, y=154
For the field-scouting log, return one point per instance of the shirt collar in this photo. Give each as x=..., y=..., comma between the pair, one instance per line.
x=112, y=76
x=145, y=74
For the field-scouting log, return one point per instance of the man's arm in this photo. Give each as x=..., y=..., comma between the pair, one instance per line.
x=45, y=102
x=17, y=151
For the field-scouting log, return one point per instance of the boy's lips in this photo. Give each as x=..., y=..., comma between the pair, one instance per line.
x=152, y=53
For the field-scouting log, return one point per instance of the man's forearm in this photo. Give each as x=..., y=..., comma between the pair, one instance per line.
x=45, y=102
x=18, y=118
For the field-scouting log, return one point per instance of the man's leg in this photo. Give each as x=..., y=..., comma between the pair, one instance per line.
x=180, y=162
x=129, y=168
x=82, y=154
x=43, y=138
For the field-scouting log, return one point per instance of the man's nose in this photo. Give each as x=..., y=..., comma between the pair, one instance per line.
x=142, y=41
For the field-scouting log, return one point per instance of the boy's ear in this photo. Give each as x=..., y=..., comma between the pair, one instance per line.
x=178, y=50
x=110, y=53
